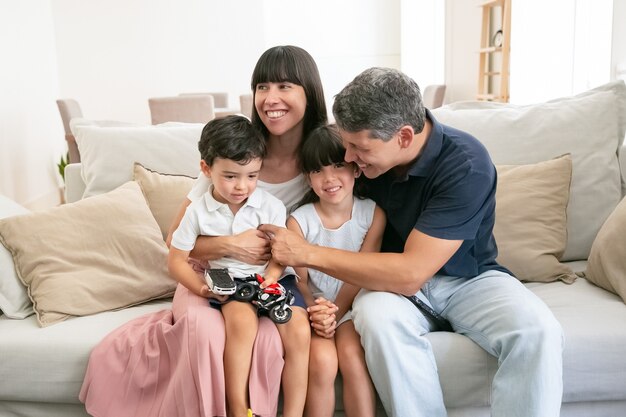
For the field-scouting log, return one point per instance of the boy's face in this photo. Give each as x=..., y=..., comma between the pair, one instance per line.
x=232, y=182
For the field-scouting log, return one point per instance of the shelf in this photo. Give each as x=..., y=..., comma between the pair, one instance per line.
x=490, y=49
x=491, y=3
x=493, y=65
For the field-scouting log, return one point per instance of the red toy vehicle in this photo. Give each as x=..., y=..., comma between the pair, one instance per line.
x=275, y=300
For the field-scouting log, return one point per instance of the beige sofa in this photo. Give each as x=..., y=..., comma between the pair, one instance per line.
x=546, y=228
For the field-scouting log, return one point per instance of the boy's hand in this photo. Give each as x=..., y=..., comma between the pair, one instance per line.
x=268, y=280
x=207, y=293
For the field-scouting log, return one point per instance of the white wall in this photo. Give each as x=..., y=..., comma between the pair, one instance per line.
x=31, y=133
x=112, y=56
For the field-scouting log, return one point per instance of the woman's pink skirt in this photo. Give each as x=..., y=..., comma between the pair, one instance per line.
x=170, y=364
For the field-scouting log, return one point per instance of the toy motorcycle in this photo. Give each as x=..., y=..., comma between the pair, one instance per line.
x=274, y=301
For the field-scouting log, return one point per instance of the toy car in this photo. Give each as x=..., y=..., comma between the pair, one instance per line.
x=220, y=281
x=275, y=300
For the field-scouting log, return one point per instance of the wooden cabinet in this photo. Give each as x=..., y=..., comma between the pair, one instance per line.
x=494, y=52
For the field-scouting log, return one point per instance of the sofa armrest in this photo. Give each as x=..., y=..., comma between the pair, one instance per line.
x=74, y=184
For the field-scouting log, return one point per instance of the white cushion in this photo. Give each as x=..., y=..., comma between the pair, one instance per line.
x=14, y=301
x=589, y=126
x=108, y=152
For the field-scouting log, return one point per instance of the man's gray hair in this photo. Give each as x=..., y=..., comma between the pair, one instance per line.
x=380, y=100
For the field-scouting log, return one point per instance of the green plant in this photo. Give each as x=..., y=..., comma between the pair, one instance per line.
x=62, y=164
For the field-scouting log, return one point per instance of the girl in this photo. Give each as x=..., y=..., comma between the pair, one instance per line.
x=333, y=215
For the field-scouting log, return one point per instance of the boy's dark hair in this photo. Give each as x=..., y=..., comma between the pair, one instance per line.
x=295, y=65
x=231, y=137
x=323, y=147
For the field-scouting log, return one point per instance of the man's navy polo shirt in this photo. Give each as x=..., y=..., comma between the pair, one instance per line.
x=448, y=193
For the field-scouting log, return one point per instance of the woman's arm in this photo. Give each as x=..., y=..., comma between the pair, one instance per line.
x=251, y=247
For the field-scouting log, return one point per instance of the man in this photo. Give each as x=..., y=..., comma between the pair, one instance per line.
x=437, y=186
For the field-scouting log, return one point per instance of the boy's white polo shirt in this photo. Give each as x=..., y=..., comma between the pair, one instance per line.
x=207, y=216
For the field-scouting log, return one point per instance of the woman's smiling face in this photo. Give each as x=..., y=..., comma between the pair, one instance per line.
x=281, y=106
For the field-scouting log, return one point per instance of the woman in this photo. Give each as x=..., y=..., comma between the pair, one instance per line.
x=170, y=363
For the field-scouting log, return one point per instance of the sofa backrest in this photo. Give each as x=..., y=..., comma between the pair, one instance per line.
x=590, y=126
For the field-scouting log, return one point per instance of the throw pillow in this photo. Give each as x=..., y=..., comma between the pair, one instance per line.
x=164, y=194
x=14, y=301
x=109, y=152
x=530, y=229
x=101, y=253
x=589, y=126
x=607, y=262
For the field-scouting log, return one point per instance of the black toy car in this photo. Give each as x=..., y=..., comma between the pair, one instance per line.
x=275, y=300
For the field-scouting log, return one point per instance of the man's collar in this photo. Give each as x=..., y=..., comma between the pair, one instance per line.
x=430, y=151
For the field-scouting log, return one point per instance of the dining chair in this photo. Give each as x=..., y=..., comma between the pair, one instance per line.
x=433, y=95
x=220, y=100
x=245, y=105
x=189, y=108
x=69, y=109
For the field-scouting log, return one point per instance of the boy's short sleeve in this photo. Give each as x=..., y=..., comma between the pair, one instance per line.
x=185, y=236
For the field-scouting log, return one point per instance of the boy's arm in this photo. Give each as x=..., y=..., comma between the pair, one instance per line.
x=182, y=272
x=371, y=243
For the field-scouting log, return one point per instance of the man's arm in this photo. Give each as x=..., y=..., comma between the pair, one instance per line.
x=403, y=273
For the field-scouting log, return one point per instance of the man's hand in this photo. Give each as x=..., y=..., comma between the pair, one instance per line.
x=288, y=248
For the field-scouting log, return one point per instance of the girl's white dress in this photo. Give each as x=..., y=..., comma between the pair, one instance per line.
x=349, y=236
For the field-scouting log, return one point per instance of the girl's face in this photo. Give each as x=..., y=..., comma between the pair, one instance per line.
x=232, y=182
x=281, y=106
x=333, y=183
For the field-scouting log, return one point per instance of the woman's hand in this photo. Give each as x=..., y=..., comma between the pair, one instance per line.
x=322, y=317
x=250, y=247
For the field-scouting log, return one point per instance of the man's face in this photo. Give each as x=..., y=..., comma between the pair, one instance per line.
x=373, y=156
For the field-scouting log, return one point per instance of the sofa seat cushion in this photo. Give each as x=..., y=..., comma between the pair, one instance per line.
x=48, y=364
x=595, y=341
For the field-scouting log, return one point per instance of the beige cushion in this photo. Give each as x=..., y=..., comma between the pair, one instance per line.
x=108, y=152
x=589, y=126
x=164, y=194
x=607, y=262
x=101, y=253
x=530, y=229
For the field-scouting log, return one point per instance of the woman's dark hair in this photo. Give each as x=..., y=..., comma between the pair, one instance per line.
x=321, y=148
x=295, y=65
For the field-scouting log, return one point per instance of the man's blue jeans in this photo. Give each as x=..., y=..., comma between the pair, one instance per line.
x=494, y=310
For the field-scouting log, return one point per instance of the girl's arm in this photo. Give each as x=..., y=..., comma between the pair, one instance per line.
x=371, y=243
x=302, y=273
x=322, y=313
x=251, y=247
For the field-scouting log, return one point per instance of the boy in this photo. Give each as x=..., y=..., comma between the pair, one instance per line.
x=232, y=152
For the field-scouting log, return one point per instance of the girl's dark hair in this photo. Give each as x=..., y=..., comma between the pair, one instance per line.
x=231, y=137
x=321, y=148
x=295, y=65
